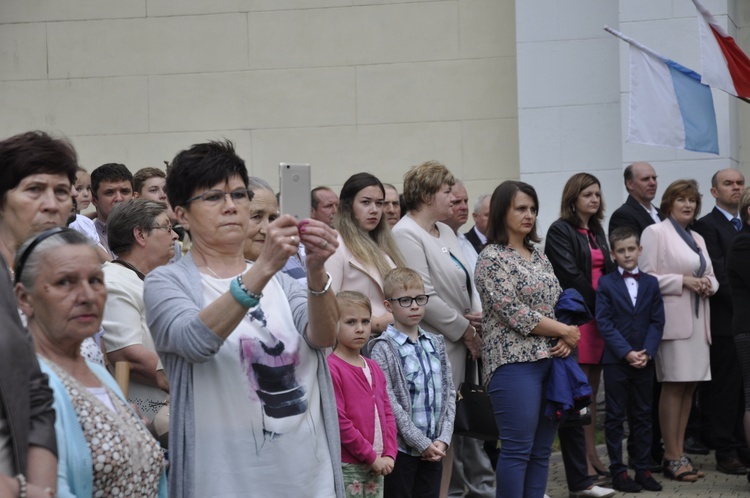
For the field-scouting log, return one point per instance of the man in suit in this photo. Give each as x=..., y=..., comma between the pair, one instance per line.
x=473, y=472
x=638, y=212
x=721, y=399
x=481, y=217
x=630, y=317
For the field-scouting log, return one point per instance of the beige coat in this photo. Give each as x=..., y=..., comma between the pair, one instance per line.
x=444, y=282
x=669, y=259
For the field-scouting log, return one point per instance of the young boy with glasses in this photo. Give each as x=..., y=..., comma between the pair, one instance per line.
x=420, y=388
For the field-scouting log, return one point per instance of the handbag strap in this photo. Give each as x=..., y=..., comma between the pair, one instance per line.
x=472, y=369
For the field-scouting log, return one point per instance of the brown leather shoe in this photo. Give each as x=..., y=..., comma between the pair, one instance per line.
x=731, y=465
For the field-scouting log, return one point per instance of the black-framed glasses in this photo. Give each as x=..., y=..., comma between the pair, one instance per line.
x=167, y=228
x=406, y=301
x=41, y=237
x=214, y=197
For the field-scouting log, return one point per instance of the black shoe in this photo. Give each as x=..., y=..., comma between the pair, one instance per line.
x=623, y=482
x=744, y=455
x=653, y=465
x=643, y=477
x=693, y=446
x=731, y=465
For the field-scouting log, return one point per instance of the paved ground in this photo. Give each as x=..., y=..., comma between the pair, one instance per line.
x=715, y=484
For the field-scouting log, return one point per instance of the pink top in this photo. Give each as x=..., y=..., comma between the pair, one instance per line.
x=591, y=345
x=356, y=402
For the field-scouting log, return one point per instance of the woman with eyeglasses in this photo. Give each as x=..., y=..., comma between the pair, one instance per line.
x=519, y=290
x=252, y=407
x=577, y=247
x=367, y=249
x=140, y=235
x=104, y=447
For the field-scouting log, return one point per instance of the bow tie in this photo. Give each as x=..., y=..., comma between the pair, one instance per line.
x=627, y=274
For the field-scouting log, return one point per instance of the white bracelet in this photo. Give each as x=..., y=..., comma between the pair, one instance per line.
x=325, y=289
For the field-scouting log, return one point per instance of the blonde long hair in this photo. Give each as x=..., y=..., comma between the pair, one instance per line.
x=368, y=247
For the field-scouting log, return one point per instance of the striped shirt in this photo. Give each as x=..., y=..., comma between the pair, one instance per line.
x=420, y=363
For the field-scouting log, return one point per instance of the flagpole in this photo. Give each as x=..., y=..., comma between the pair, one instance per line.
x=634, y=43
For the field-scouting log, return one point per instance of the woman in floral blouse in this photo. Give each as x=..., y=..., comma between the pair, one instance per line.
x=519, y=290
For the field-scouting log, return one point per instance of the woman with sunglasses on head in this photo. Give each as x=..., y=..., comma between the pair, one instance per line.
x=104, y=447
x=35, y=193
x=577, y=247
x=243, y=344
x=367, y=249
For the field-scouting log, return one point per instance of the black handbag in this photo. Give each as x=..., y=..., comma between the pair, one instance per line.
x=475, y=416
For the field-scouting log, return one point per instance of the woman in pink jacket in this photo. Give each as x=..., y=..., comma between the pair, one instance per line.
x=677, y=256
x=367, y=250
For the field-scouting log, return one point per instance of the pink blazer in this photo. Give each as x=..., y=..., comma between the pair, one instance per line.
x=669, y=259
x=348, y=273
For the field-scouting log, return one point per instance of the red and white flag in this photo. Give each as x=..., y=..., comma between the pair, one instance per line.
x=725, y=66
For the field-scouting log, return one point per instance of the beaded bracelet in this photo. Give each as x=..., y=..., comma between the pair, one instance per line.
x=21, y=485
x=240, y=296
x=246, y=290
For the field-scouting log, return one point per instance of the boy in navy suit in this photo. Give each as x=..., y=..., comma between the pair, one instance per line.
x=630, y=318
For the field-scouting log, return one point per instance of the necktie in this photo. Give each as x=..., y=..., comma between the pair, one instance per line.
x=627, y=274
x=737, y=224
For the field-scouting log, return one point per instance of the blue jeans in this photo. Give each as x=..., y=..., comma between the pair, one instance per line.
x=517, y=391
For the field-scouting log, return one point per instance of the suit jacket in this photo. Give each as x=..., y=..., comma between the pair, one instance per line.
x=718, y=232
x=738, y=274
x=633, y=215
x=348, y=273
x=669, y=259
x=568, y=251
x=625, y=327
x=24, y=392
x=474, y=239
x=450, y=293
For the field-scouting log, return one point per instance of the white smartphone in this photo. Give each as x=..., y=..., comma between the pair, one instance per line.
x=294, y=182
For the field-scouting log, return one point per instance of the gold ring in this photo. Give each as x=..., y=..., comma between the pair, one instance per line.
x=294, y=239
x=324, y=244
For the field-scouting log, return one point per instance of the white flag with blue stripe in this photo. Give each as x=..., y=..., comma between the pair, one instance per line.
x=669, y=106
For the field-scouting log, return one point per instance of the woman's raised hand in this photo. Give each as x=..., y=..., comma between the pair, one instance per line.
x=282, y=242
x=320, y=243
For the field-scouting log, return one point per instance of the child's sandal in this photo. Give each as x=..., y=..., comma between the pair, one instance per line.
x=672, y=471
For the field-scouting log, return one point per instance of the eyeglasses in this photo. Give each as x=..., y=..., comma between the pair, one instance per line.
x=167, y=228
x=406, y=301
x=214, y=197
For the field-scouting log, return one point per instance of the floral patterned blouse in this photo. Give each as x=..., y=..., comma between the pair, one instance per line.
x=515, y=294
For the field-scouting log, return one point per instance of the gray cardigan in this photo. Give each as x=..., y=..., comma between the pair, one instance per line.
x=385, y=353
x=173, y=295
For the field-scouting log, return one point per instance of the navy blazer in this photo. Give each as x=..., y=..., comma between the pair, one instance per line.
x=472, y=237
x=718, y=233
x=625, y=327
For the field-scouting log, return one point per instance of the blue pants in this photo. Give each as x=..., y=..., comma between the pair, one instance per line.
x=517, y=391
